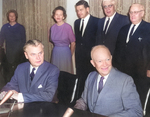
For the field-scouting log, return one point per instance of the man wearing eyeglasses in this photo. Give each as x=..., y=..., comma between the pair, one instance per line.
x=132, y=54
x=109, y=26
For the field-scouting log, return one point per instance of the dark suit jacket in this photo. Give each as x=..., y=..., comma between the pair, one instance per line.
x=109, y=40
x=133, y=57
x=43, y=85
x=84, y=44
x=83, y=48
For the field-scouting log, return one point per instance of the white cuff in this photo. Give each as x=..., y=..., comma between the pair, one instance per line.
x=20, y=97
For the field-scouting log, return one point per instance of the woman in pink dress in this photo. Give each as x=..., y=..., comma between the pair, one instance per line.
x=63, y=39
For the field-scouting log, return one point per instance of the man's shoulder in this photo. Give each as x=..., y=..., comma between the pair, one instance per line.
x=93, y=20
x=121, y=15
x=93, y=17
x=145, y=24
x=125, y=27
x=119, y=75
x=48, y=66
x=22, y=65
x=77, y=20
x=93, y=74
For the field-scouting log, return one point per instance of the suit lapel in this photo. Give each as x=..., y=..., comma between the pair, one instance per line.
x=88, y=25
x=94, y=89
x=113, y=22
x=102, y=32
x=27, y=75
x=102, y=23
x=107, y=85
x=137, y=32
x=78, y=26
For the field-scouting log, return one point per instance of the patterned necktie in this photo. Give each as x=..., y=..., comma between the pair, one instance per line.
x=32, y=74
x=100, y=84
x=82, y=26
x=105, y=30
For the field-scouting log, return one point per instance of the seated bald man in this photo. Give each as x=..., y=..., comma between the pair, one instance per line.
x=108, y=91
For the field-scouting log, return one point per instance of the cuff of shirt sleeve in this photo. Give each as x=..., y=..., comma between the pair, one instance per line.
x=20, y=97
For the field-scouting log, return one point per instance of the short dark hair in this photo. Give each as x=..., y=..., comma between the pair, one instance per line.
x=59, y=8
x=82, y=2
x=12, y=11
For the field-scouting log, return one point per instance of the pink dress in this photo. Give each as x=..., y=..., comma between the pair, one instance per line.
x=62, y=36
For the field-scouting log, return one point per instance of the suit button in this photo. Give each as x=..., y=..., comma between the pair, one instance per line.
x=81, y=44
x=103, y=41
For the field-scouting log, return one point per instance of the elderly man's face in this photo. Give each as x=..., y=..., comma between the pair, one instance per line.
x=136, y=14
x=109, y=8
x=35, y=55
x=101, y=60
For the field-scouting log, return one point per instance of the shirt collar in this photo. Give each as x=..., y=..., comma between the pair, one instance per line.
x=105, y=77
x=111, y=16
x=86, y=18
x=136, y=25
x=31, y=67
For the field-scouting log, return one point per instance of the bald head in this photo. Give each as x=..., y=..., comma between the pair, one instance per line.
x=98, y=50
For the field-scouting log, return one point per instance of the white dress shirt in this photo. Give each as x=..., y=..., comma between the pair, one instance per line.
x=86, y=19
x=127, y=40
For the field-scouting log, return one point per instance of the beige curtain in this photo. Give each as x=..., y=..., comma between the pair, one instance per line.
x=122, y=7
x=35, y=15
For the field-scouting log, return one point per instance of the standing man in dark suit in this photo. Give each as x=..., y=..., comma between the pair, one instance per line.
x=35, y=80
x=85, y=32
x=110, y=25
x=132, y=54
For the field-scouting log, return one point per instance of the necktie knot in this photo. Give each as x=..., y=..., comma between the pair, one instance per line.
x=100, y=84
x=32, y=74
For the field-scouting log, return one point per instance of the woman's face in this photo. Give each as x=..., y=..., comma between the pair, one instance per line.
x=12, y=17
x=59, y=17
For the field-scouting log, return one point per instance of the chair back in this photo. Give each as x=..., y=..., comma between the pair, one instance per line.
x=67, y=88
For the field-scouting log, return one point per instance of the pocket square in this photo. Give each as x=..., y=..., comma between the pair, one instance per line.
x=40, y=86
x=139, y=38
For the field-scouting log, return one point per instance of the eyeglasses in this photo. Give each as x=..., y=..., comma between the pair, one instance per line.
x=108, y=6
x=134, y=12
